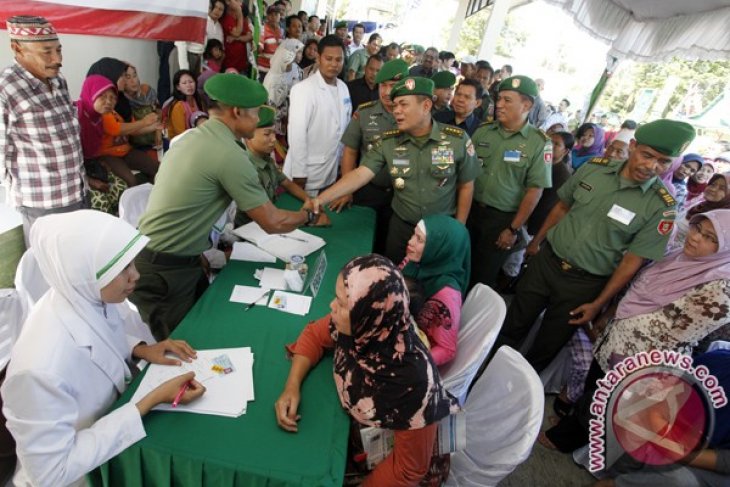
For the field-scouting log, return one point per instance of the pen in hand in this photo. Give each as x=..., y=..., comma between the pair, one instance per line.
x=180, y=394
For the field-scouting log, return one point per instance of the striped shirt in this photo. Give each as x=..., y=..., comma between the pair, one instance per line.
x=39, y=140
x=270, y=40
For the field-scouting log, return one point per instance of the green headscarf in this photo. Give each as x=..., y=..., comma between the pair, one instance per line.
x=446, y=258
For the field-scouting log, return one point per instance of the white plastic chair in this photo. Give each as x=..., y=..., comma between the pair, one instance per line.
x=133, y=203
x=481, y=319
x=504, y=413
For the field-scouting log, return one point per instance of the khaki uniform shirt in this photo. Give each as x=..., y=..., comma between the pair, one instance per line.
x=513, y=162
x=269, y=176
x=424, y=175
x=197, y=180
x=365, y=129
x=610, y=215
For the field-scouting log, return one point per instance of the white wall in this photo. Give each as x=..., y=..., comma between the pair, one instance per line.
x=81, y=51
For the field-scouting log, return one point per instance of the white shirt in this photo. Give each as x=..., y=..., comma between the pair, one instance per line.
x=318, y=116
x=213, y=30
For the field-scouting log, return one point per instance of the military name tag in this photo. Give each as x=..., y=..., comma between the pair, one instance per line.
x=441, y=156
x=512, y=156
x=621, y=215
x=400, y=162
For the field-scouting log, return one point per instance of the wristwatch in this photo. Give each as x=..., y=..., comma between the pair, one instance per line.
x=311, y=217
x=513, y=230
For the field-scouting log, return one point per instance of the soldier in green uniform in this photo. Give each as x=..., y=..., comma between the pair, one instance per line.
x=517, y=160
x=198, y=179
x=611, y=218
x=364, y=130
x=443, y=91
x=432, y=166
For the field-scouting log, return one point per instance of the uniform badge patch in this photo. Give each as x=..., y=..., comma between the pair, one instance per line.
x=665, y=226
x=516, y=83
x=547, y=157
x=470, y=149
x=410, y=84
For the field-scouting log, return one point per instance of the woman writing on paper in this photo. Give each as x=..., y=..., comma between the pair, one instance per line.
x=438, y=255
x=73, y=357
x=383, y=373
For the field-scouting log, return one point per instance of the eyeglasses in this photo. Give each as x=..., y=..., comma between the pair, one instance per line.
x=708, y=237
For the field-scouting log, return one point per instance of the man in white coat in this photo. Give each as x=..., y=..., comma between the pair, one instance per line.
x=319, y=111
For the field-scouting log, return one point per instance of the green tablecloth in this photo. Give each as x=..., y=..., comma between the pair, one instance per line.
x=184, y=449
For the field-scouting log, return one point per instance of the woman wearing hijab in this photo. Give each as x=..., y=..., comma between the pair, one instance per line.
x=691, y=163
x=142, y=101
x=114, y=70
x=715, y=197
x=671, y=305
x=696, y=184
x=383, y=373
x=73, y=358
x=438, y=255
x=309, y=54
x=589, y=144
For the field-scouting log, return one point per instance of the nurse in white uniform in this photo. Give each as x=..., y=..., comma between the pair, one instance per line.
x=73, y=357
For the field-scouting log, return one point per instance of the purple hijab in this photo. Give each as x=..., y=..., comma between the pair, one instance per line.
x=667, y=175
x=666, y=281
x=598, y=141
x=89, y=120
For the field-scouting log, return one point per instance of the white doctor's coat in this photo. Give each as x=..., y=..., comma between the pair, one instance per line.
x=318, y=116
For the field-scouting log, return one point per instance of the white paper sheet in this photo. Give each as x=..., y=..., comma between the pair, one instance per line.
x=249, y=294
x=250, y=253
x=290, y=303
x=273, y=279
x=283, y=245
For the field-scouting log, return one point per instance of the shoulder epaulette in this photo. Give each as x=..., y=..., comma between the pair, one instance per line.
x=601, y=161
x=488, y=122
x=667, y=198
x=391, y=133
x=543, y=135
x=447, y=129
x=367, y=104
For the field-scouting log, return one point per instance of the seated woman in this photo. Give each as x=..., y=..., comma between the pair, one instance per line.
x=73, y=358
x=383, y=373
x=588, y=144
x=439, y=255
x=671, y=305
x=213, y=56
x=143, y=101
x=696, y=184
x=105, y=187
x=185, y=100
x=716, y=196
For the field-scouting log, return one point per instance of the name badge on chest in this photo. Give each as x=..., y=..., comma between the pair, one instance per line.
x=512, y=156
x=441, y=156
x=400, y=162
x=621, y=215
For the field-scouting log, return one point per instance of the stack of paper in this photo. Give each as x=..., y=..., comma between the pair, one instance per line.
x=226, y=373
x=282, y=245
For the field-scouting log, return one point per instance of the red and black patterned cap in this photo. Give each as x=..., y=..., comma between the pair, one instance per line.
x=28, y=28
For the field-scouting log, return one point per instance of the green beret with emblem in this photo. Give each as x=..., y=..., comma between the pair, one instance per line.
x=670, y=137
x=340, y=24
x=236, y=91
x=443, y=79
x=413, y=85
x=417, y=48
x=520, y=84
x=393, y=70
x=266, y=116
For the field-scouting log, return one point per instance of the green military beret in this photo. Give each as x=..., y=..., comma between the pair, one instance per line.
x=393, y=70
x=266, y=116
x=235, y=90
x=669, y=137
x=340, y=24
x=443, y=79
x=520, y=84
x=414, y=85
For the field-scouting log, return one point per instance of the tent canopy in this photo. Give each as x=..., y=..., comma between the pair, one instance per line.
x=656, y=30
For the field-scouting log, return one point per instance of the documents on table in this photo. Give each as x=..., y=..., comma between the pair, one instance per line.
x=290, y=303
x=226, y=373
x=249, y=294
x=250, y=253
x=282, y=245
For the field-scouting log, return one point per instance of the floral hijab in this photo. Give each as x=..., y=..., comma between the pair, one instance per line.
x=384, y=375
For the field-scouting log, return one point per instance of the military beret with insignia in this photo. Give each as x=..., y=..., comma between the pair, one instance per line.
x=236, y=91
x=393, y=70
x=670, y=137
x=414, y=85
x=266, y=116
x=520, y=84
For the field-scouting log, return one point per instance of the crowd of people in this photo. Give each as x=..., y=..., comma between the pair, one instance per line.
x=471, y=175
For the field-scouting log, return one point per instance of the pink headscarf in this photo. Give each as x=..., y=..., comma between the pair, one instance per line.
x=666, y=281
x=92, y=130
x=667, y=175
